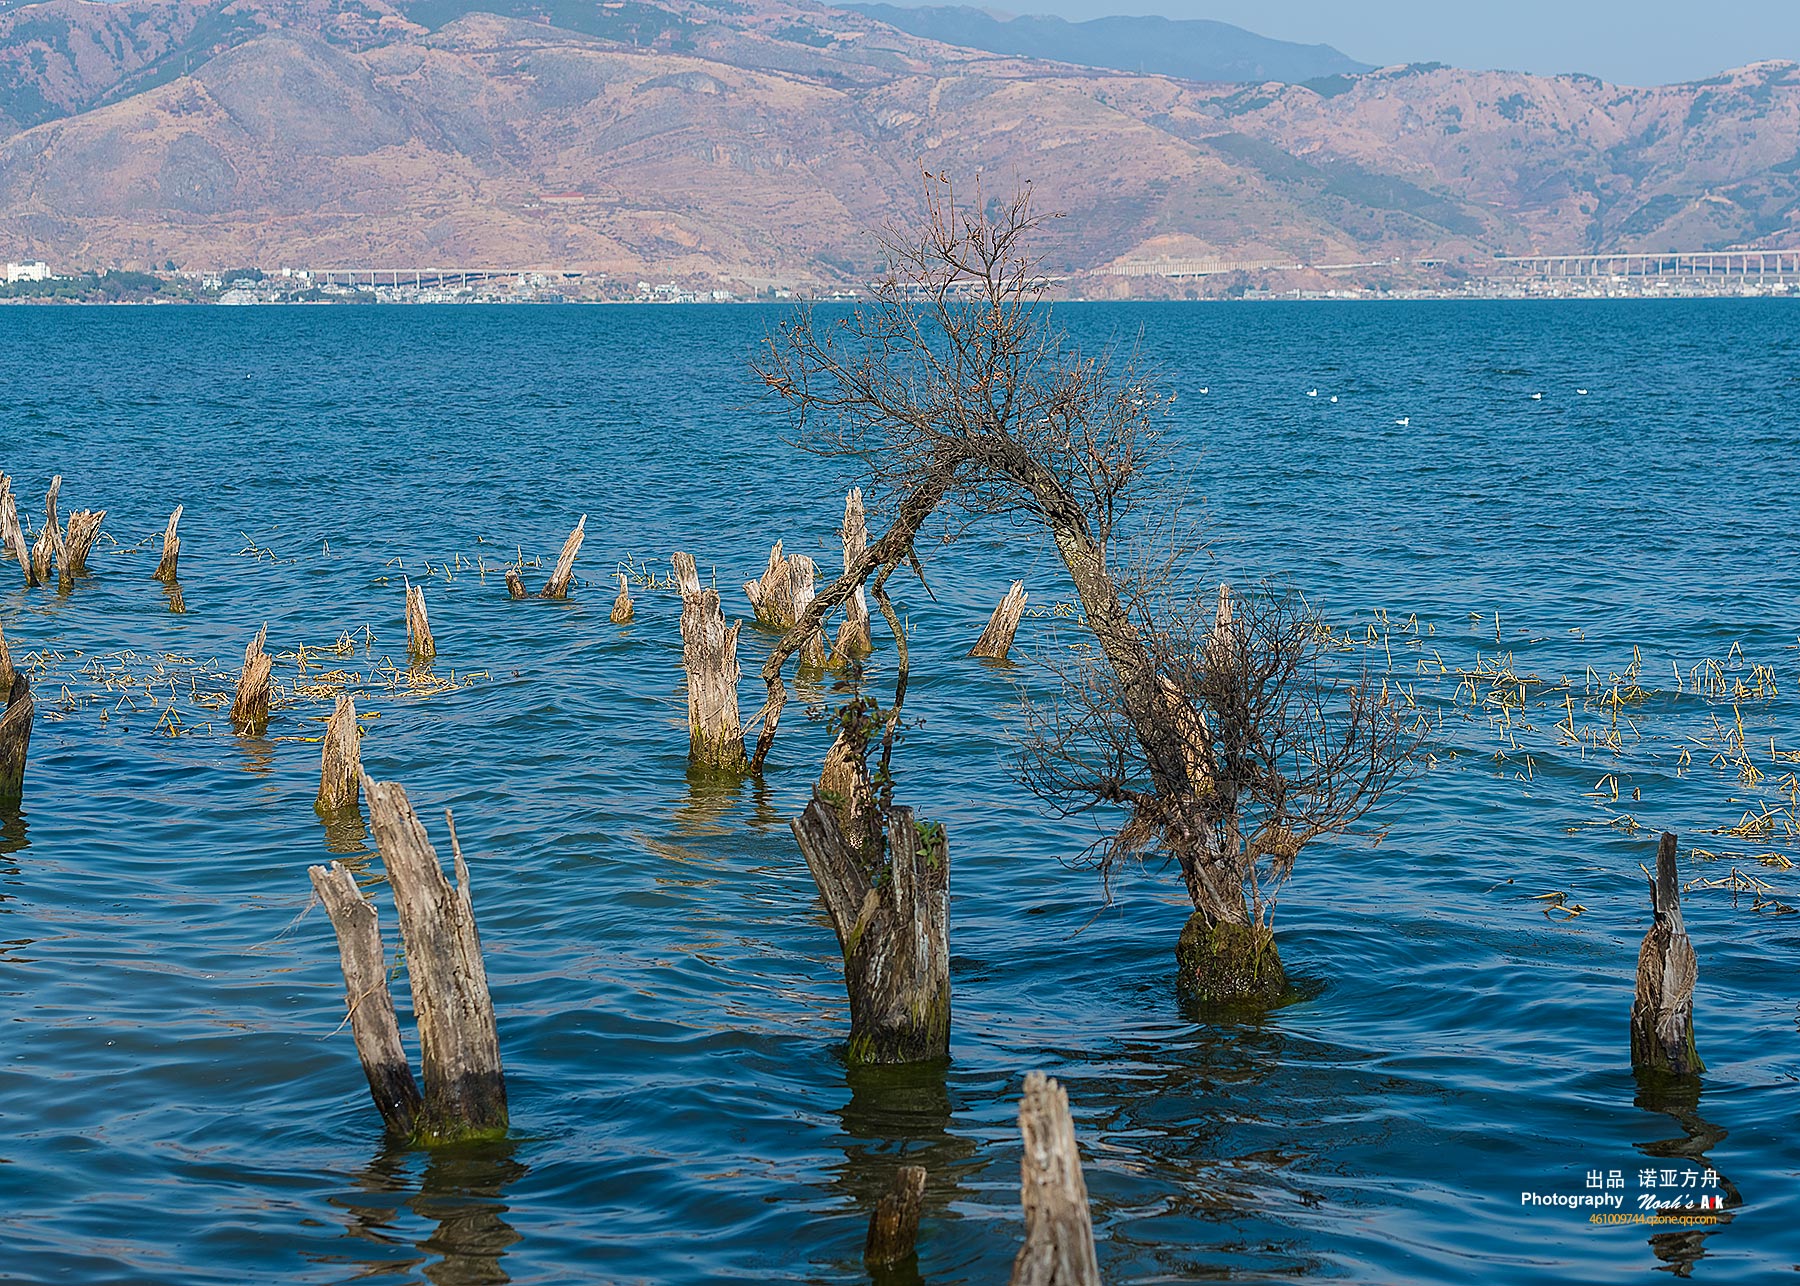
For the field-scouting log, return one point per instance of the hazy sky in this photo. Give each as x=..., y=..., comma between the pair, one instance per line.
x=1632, y=42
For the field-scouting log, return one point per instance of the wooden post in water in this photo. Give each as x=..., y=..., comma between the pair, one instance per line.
x=84, y=530
x=780, y=598
x=16, y=711
x=622, y=608
x=371, y=1004
x=889, y=901
x=1059, y=1231
x=465, y=1089
x=12, y=536
x=997, y=639
x=853, y=641
x=340, y=759
x=709, y=655
x=1662, y=1015
x=419, y=645
x=49, y=546
x=558, y=584
x=515, y=584
x=171, y=553
x=894, y=1227
x=250, y=707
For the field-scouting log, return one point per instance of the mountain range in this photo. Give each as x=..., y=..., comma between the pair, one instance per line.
x=761, y=141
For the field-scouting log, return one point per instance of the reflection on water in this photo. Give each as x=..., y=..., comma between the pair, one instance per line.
x=711, y=804
x=1678, y=1098
x=345, y=833
x=901, y=1116
x=177, y=603
x=460, y=1194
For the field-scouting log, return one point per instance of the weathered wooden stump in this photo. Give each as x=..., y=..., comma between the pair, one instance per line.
x=12, y=535
x=515, y=584
x=709, y=655
x=1662, y=1015
x=997, y=639
x=84, y=530
x=419, y=644
x=853, y=641
x=340, y=759
x=780, y=598
x=166, y=567
x=464, y=1086
x=15, y=727
x=250, y=706
x=1059, y=1231
x=889, y=901
x=894, y=1227
x=622, y=608
x=372, y=1019
x=48, y=549
x=558, y=584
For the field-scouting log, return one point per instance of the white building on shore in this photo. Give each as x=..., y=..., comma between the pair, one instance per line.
x=39, y=271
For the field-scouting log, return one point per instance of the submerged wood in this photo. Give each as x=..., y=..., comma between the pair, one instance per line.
x=250, y=707
x=171, y=551
x=558, y=584
x=465, y=1089
x=623, y=609
x=515, y=584
x=890, y=906
x=371, y=1004
x=853, y=640
x=1662, y=1014
x=1059, y=1231
x=340, y=759
x=419, y=644
x=12, y=533
x=894, y=1227
x=997, y=639
x=48, y=548
x=709, y=655
x=15, y=727
x=84, y=530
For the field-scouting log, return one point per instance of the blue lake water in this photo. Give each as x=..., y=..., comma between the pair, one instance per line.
x=178, y=1101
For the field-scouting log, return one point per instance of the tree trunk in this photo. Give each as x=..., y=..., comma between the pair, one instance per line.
x=1662, y=1014
x=15, y=727
x=894, y=1227
x=340, y=759
x=1222, y=961
x=1059, y=1232
x=709, y=655
x=997, y=639
x=84, y=530
x=12, y=535
x=515, y=584
x=250, y=708
x=465, y=1091
x=371, y=1004
x=622, y=608
x=49, y=546
x=891, y=911
x=853, y=640
x=781, y=597
x=419, y=644
x=558, y=584
x=171, y=551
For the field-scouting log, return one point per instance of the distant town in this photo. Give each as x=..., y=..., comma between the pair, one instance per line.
x=1685, y=274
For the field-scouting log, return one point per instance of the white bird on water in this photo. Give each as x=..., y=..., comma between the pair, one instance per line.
x=1206, y=390
x=1582, y=392
x=1404, y=421
x=1537, y=397
x=1334, y=397
x=1313, y=392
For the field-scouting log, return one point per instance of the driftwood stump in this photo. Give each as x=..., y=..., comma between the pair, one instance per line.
x=49, y=546
x=558, y=584
x=889, y=901
x=12, y=535
x=250, y=707
x=1059, y=1231
x=515, y=584
x=780, y=598
x=853, y=641
x=709, y=655
x=623, y=609
x=465, y=1089
x=894, y=1227
x=371, y=1004
x=1662, y=1015
x=84, y=530
x=419, y=644
x=340, y=759
x=997, y=639
x=15, y=727
x=171, y=553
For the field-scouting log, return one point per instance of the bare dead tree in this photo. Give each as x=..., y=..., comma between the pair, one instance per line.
x=1213, y=738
